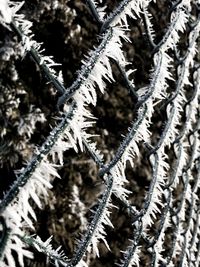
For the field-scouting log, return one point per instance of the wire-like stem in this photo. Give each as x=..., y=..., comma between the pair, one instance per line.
x=54, y=255
x=37, y=58
x=121, y=68
x=163, y=179
x=85, y=241
x=147, y=29
x=34, y=163
x=128, y=84
x=5, y=231
x=125, y=142
x=94, y=12
x=86, y=69
x=118, y=10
